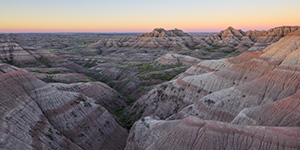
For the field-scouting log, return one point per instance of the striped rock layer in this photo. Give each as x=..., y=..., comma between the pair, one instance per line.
x=253, y=99
x=227, y=39
x=196, y=134
x=14, y=54
x=176, y=59
x=35, y=115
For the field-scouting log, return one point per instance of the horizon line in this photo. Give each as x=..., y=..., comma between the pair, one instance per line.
x=212, y=30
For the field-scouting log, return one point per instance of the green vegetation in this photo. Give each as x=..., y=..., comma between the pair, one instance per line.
x=51, y=71
x=164, y=86
x=146, y=68
x=49, y=79
x=84, y=43
x=165, y=76
x=205, y=58
x=51, y=50
x=90, y=63
x=50, y=136
x=162, y=76
x=205, y=53
x=44, y=61
x=140, y=89
x=122, y=118
x=73, y=114
x=10, y=61
x=87, y=104
x=135, y=64
x=79, y=99
x=30, y=63
x=68, y=49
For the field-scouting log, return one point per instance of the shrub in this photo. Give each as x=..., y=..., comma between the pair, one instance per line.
x=49, y=79
x=87, y=104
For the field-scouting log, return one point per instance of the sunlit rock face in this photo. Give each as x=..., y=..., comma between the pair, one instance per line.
x=226, y=41
x=36, y=115
x=158, y=38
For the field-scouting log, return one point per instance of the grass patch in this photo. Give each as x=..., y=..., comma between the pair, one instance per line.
x=90, y=63
x=44, y=61
x=49, y=79
x=140, y=89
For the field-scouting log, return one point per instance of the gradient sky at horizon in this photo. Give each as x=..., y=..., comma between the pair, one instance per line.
x=144, y=15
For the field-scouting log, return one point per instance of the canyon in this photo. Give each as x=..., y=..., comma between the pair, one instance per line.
x=165, y=89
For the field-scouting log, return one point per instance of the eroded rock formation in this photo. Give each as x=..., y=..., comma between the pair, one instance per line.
x=35, y=115
x=252, y=97
x=194, y=133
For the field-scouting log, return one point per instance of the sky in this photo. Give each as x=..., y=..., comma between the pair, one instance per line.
x=145, y=15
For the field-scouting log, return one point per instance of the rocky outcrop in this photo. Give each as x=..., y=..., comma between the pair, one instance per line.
x=228, y=42
x=284, y=112
x=194, y=133
x=231, y=32
x=160, y=32
x=220, y=92
x=62, y=77
x=158, y=38
x=35, y=115
x=272, y=35
x=100, y=92
x=176, y=59
x=14, y=54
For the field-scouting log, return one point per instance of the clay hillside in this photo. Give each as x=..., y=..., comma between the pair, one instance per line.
x=165, y=89
x=251, y=99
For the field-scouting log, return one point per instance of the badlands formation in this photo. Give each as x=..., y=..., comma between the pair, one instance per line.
x=247, y=102
x=160, y=90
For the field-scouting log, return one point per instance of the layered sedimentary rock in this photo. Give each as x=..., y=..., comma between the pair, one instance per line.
x=160, y=32
x=227, y=43
x=170, y=97
x=35, y=115
x=229, y=37
x=100, y=92
x=272, y=35
x=14, y=54
x=158, y=38
x=176, y=59
x=62, y=77
x=249, y=80
x=284, y=112
x=194, y=133
x=265, y=38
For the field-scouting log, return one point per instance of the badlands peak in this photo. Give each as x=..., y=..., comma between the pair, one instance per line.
x=231, y=32
x=271, y=35
x=282, y=30
x=160, y=32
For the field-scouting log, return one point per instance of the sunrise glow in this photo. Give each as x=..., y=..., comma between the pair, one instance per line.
x=141, y=15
